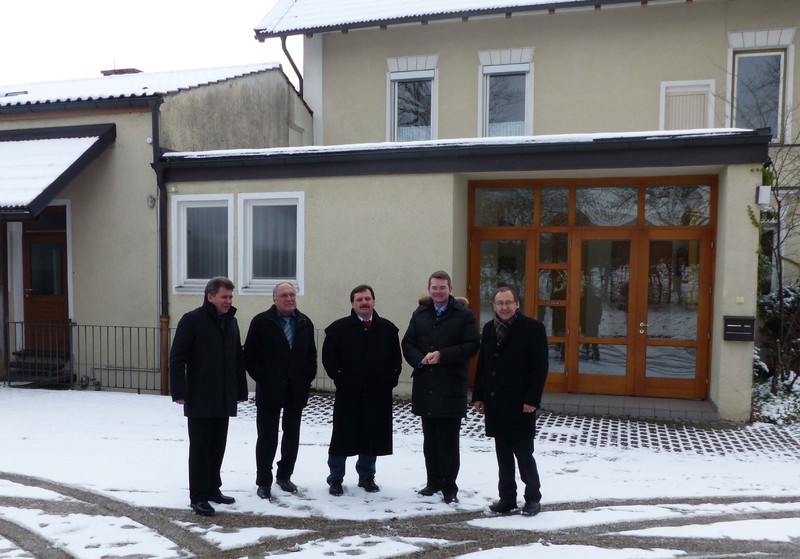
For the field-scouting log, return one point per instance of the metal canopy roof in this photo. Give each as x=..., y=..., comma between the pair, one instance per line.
x=36, y=164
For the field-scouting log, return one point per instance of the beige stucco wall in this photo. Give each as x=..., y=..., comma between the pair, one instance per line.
x=388, y=231
x=254, y=111
x=594, y=71
x=113, y=233
x=734, y=292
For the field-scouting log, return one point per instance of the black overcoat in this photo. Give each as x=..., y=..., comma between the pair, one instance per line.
x=511, y=374
x=364, y=365
x=206, y=365
x=273, y=364
x=440, y=390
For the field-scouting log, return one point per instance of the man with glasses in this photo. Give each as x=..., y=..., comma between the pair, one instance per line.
x=509, y=380
x=281, y=356
x=441, y=338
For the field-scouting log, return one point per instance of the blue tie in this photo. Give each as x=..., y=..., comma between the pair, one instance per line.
x=287, y=329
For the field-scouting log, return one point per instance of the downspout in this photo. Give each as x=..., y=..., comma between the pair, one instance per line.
x=4, y=282
x=155, y=106
x=294, y=66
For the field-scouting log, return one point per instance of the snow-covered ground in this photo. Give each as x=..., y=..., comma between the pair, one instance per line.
x=133, y=448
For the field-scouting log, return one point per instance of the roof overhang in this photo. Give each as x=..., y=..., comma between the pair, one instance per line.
x=518, y=155
x=281, y=29
x=36, y=164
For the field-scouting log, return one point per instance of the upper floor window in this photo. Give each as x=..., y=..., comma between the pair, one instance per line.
x=687, y=105
x=506, y=92
x=270, y=240
x=202, y=240
x=759, y=74
x=412, y=98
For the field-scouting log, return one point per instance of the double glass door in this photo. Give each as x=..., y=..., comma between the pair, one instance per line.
x=626, y=308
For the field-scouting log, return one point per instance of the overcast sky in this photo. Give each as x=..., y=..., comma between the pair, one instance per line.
x=48, y=40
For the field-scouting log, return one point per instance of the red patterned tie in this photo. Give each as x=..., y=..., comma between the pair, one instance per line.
x=367, y=324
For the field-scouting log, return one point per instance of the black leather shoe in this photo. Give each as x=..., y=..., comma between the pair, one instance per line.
x=427, y=491
x=263, y=492
x=286, y=485
x=503, y=506
x=221, y=499
x=531, y=508
x=450, y=498
x=335, y=489
x=203, y=508
x=369, y=485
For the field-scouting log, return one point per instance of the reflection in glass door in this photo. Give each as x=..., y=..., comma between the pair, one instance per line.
x=603, y=282
x=668, y=329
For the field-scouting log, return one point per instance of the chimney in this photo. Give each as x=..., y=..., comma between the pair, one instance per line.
x=120, y=71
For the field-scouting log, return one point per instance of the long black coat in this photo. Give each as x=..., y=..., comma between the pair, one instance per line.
x=364, y=365
x=511, y=374
x=272, y=363
x=440, y=390
x=206, y=365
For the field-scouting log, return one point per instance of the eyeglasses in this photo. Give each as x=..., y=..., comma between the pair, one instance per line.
x=504, y=303
x=286, y=296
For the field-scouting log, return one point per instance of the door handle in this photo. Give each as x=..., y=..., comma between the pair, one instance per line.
x=643, y=324
x=28, y=292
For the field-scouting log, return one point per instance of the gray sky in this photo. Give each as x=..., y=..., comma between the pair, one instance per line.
x=48, y=40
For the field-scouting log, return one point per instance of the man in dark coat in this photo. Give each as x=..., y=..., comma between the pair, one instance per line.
x=509, y=380
x=207, y=377
x=361, y=354
x=281, y=356
x=441, y=338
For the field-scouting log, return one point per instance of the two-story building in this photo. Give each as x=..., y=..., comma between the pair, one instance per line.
x=599, y=155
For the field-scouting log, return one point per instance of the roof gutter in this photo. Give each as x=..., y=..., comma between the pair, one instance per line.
x=294, y=66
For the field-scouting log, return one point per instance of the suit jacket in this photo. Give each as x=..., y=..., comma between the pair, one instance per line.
x=511, y=374
x=274, y=365
x=364, y=365
x=206, y=365
x=440, y=390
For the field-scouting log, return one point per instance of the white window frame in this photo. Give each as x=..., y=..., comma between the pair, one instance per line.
x=765, y=40
x=411, y=68
x=180, y=282
x=246, y=202
x=504, y=61
x=689, y=86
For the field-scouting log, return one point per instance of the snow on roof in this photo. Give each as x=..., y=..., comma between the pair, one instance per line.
x=121, y=86
x=463, y=142
x=289, y=17
x=27, y=167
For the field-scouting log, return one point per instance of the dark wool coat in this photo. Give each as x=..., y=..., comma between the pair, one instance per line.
x=510, y=375
x=206, y=365
x=440, y=390
x=364, y=365
x=273, y=364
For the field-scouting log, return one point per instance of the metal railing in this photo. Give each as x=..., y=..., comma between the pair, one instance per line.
x=69, y=355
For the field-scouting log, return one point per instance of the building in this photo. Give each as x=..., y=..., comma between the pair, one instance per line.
x=599, y=155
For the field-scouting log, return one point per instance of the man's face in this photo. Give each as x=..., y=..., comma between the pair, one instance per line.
x=285, y=299
x=504, y=305
x=222, y=300
x=439, y=291
x=363, y=303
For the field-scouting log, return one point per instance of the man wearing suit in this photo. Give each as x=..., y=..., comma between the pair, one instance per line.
x=281, y=356
x=509, y=380
x=206, y=377
x=441, y=338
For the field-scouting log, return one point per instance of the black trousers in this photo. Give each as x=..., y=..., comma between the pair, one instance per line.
x=440, y=445
x=521, y=449
x=207, y=439
x=267, y=420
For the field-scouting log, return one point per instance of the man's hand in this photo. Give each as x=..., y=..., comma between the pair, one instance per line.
x=432, y=358
x=528, y=409
x=181, y=402
x=478, y=405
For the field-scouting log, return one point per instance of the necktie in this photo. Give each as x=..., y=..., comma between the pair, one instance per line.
x=502, y=330
x=287, y=329
x=367, y=324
